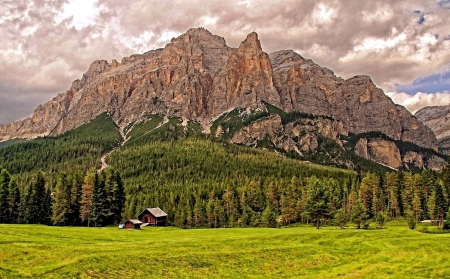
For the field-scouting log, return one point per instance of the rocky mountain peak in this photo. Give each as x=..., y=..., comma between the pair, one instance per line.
x=251, y=44
x=197, y=76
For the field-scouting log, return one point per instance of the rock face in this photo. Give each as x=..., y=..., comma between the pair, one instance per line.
x=380, y=151
x=356, y=103
x=300, y=136
x=414, y=158
x=197, y=76
x=438, y=119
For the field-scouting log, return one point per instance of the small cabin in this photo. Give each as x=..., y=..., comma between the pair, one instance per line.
x=132, y=224
x=153, y=217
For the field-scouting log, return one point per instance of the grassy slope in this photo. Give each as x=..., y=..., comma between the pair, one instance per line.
x=67, y=252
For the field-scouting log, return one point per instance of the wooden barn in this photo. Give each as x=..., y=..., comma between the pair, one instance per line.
x=153, y=217
x=132, y=224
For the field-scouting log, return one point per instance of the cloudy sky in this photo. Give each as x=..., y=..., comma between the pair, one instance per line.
x=404, y=45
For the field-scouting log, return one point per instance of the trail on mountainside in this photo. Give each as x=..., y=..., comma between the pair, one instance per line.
x=104, y=165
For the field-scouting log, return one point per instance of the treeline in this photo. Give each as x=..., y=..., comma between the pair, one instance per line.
x=272, y=202
x=89, y=199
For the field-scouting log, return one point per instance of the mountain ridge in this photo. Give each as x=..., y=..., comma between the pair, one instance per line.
x=197, y=76
x=437, y=118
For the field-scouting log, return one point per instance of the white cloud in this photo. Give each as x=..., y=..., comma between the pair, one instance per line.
x=415, y=102
x=82, y=12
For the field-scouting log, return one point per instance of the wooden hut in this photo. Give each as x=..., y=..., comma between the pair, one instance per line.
x=153, y=217
x=132, y=224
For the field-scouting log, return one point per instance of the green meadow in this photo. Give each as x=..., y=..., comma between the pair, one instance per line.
x=36, y=251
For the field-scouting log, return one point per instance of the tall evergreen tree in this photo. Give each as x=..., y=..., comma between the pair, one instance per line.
x=316, y=207
x=5, y=179
x=359, y=214
x=441, y=204
x=14, y=202
x=62, y=201
x=117, y=196
x=75, y=202
x=36, y=211
x=99, y=204
x=86, y=197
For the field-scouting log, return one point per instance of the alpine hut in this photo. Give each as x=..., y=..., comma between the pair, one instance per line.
x=153, y=217
x=132, y=224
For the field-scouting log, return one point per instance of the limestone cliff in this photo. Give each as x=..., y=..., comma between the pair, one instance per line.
x=197, y=76
x=438, y=119
x=380, y=151
x=356, y=103
x=301, y=135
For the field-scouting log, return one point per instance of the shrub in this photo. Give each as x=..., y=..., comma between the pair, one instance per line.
x=410, y=220
x=422, y=229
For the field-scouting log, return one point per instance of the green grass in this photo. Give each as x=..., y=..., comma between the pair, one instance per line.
x=31, y=251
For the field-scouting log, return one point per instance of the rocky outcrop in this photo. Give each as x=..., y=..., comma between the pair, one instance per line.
x=414, y=158
x=258, y=130
x=356, y=103
x=380, y=151
x=438, y=119
x=300, y=136
x=245, y=81
x=197, y=76
x=435, y=163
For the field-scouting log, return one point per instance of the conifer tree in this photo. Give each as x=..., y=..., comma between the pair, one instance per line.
x=5, y=179
x=117, y=196
x=341, y=218
x=359, y=215
x=86, y=196
x=316, y=206
x=99, y=204
x=36, y=207
x=62, y=201
x=441, y=204
x=14, y=202
x=268, y=217
x=198, y=213
x=75, y=202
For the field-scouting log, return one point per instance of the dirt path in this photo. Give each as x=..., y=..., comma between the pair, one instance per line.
x=104, y=165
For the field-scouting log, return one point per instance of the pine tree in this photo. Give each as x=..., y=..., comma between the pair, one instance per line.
x=62, y=201
x=198, y=213
x=14, y=202
x=359, y=215
x=36, y=211
x=268, y=217
x=5, y=179
x=441, y=205
x=75, y=202
x=86, y=196
x=341, y=218
x=117, y=196
x=316, y=206
x=99, y=204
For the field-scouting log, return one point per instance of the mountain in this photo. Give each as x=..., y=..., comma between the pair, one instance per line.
x=281, y=101
x=438, y=119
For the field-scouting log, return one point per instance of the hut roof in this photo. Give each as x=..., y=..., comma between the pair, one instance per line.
x=134, y=221
x=155, y=211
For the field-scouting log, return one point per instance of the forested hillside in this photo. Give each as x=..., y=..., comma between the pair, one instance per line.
x=77, y=150
x=202, y=180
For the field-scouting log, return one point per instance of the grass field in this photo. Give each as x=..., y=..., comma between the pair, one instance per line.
x=297, y=252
